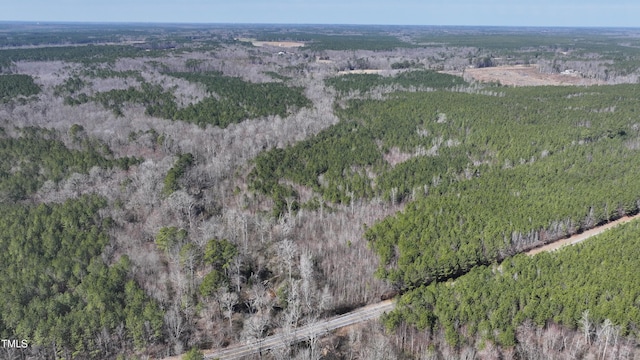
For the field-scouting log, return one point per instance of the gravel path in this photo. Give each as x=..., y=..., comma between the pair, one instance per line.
x=582, y=236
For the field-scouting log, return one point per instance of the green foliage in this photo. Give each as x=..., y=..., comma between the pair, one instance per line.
x=193, y=64
x=212, y=282
x=70, y=86
x=599, y=275
x=143, y=318
x=56, y=288
x=404, y=65
x=106, y=73
x=171, y=181
x=27, y=34
x=570, y=176
x=193, y=354
x=82, y=54
x=219, y=253
x=338, y=154
x=170, y=236
x=189, y=251
x=236, y=100
x=613, y=48
x=28, y=161
x=420, y=79
x=12, y=86
x=500, y=172
x=368, y=39
x=277, y=76
x=75, y=130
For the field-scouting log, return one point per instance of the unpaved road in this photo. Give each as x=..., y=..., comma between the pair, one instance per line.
x=317, y=329
x=582, y=236
x=366, y=313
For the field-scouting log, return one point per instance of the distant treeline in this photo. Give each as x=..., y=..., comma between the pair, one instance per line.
x=319, y=42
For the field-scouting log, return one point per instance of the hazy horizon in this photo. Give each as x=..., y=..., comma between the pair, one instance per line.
x=500, y=13
x=167, y=23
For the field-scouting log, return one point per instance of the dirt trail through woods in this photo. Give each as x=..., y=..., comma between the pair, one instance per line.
x=574, y=239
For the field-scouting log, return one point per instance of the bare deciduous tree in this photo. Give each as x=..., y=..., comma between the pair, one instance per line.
x=176, y=323
x=586, y=326
x=228, y=300
x=286, y=254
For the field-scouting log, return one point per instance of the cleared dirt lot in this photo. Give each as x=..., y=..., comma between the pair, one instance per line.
x=366, y=71
x=282, y=44
x=522, y=75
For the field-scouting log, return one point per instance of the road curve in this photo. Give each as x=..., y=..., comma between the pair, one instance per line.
x=317, y=329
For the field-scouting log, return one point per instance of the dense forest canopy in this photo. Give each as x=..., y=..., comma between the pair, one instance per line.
x=12, y=86
x=58, y=290
x=443, y=136
x=594, y=281
x=237, y=100
x=423, y=80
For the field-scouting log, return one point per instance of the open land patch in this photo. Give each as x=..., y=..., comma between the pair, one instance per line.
x=282, y=44
x=361, y=71
x=526, y=75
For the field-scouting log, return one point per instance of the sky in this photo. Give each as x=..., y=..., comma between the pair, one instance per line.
x=569, y=13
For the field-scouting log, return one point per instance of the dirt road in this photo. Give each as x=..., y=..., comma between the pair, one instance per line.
x=582, y=236
x=317, y=329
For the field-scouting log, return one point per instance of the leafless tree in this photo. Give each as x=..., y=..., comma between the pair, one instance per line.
x=326, y=299
x=228, y=300
x=586, y=326
x=286, y=255
x=260, y=300
x=307, y=287
x=254, y=328
x=604, y=334
x=177, y=324
x=293, y=311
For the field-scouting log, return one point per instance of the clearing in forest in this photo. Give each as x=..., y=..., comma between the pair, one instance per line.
x=282, y=44
x=526, y=75
x=361, y=71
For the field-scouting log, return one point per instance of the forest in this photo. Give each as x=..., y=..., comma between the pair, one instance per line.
x=172, y=190
x=13, y=86
x=38, y=156
x=573, y=287
x=71, y=295
x=232, y=100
